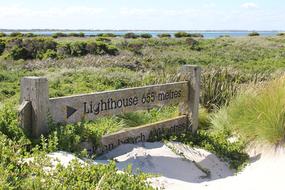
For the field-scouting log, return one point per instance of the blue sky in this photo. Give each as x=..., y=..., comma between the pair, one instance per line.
x=143, y=14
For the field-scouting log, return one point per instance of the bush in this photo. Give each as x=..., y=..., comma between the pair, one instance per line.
x=2, y=46
x=58, y=34
x=196, y=35
x=78, y=49
x=16, y=34
x=92, y=48
x=164, y=35
x=135, y=46
x=29, y=48
x=106, y=35
x=103, y=39
x=254, y=34
x=182, y=35
x=146, y=35
x=81, y=34
x=257, y=113
x=49, y=54
x=194, y=44
x=112, y=50
x=17, y=53
x=63, y=50
x=2, y=34
x=72, y=34
x=131, y=35
x=29, y=35
x=279, y=34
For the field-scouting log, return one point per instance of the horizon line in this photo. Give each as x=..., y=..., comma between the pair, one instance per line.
x=174, y=30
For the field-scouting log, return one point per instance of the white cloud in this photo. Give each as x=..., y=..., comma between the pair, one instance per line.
x=20, y=12
x=249, y=5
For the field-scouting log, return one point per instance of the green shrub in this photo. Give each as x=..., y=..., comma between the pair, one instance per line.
x=29, y=35
x=136, y=46
x=257, y=113
x=58, y=34
x=2, y=34
x=182, y=35
x=196, y=35
x=217, y=143
x=49, y=54
x=254, y=34
x=102, y=48
x=72, y=34
x=131, y=35
x=279, y=34
x=106, y=35
x=112, y=50
x=17, y=53
x=104, y=39
x=2, y=46
x=92, y=48
x=78, y=49
x=164, y=35
x=146, y=35
x=37, y=46
x=63, y=50
x=16, y=34
x=29, y=48
x=194, y=44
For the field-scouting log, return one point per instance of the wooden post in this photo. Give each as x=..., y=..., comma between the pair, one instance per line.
x=35, y=91
x=192, y=74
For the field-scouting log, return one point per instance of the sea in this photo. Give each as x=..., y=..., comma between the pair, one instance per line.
x=206, y=34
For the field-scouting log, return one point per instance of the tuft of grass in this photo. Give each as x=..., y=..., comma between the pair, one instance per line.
x=257, y=113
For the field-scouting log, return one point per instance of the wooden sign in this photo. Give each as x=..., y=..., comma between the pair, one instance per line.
x=144, y=133
x=36, y=106
x=73, y=109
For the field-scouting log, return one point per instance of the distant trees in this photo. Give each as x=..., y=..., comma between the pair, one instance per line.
x=45, y=47
x=146, y=35
x=185, y=34
x=16, y=34
x=254, y=34
x=2, y=34
x=131, y=35
x=164, y=35
x=72, y=34
x=107, y=35
x=2, y=46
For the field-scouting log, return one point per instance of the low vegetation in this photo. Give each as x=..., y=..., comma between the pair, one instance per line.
x=44, y=48
x=254, y=34
x=241, y=96
x=256, y=114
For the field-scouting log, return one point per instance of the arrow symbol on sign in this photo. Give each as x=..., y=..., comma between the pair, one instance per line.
x=70, y=111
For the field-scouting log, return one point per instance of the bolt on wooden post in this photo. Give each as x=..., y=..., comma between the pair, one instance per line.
x=34, y=102
x=192, y=74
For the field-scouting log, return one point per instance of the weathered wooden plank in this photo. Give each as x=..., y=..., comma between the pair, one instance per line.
x=35, y=90
x=191, y=73
x=144, y=133
x=73, y=109
x=25, y=116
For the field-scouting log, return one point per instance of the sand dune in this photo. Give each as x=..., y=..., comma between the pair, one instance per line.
x=183, y=167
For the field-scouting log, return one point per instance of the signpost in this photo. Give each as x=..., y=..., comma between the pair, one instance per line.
x=36, y=107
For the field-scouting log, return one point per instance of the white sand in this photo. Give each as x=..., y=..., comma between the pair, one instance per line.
x=187, y=170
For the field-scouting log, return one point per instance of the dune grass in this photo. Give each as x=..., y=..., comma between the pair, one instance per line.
x=257, y=114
